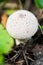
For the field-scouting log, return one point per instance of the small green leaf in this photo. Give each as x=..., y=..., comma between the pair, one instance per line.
x=39, y=3
x=41, y=27
x=1, y=60
x=9, y=11
x=6, y=41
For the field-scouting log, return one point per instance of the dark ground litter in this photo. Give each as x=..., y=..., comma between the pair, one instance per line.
x=20, y=56
x=38, y=61
x=41, y=21
x=28, y=54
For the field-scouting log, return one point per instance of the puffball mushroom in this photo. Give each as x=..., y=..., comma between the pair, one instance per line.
x=22, y=25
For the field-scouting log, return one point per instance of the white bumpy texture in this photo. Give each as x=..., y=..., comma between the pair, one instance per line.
x=22, y=24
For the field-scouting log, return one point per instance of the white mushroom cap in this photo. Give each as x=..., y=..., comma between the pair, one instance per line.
x=22, y=24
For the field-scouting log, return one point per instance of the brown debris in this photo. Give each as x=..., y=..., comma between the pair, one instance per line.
x=4, y=19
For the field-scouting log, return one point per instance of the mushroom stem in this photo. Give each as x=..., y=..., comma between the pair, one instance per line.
x=19, y=41
x=23, y=41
